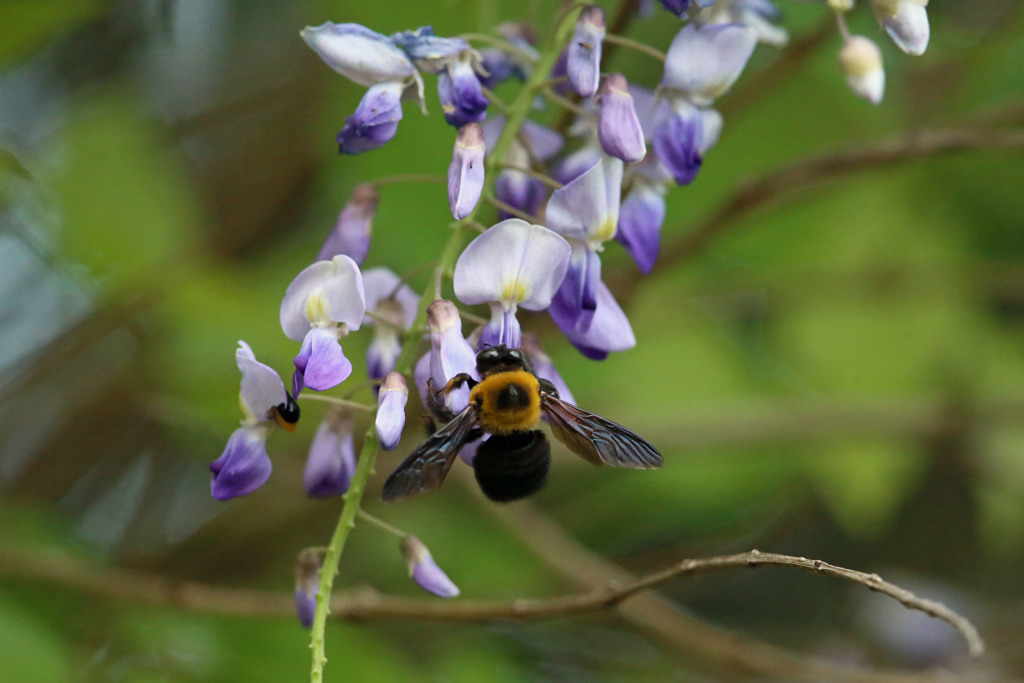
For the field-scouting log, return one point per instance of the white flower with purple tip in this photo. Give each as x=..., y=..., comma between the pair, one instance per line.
x=450, y=354
x=322, y=304
x=361, y=55
x=583, y=61
x=424, y=571
x=244, y=465
x=513, y=264
x=906, y=22
x=332, y=455
x=585, y=212
x=390, y=420
x=618, y=127
x=351, y=232
x=466, y=172
x=394, y=306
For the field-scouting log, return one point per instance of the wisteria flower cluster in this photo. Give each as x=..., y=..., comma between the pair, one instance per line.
x=610, y=171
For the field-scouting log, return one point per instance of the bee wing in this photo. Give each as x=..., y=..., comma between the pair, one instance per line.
x=427, y=466
x=597, y=440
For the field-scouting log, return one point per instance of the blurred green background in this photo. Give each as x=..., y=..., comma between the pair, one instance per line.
x=840, y=375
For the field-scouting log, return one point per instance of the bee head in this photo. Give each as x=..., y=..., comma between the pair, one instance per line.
x=500, y=359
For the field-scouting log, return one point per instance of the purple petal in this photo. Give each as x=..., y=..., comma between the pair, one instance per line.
x=640, y=221
x=431, y=53
x=375, y=120
x=351, y=233
x=503, y=328
x=381, y=285
x=579, y=162
x=332, y=457
x=307, y=582
x=519, y=191
x=576, y=300
x=543, y=142
x=261, y=387
x=618, y=127
x=609, y=330
x=588, y=207
x=359, y=54
x=466, y=172
x=382, y=353
x=450, y=354
x=390, y=420
x=583, y=61
x=321, y=361
x=424, y=570
x=515, y=263
x=244, y=465
x=678, y=142
x=704, y=61
x=676, y=7
x=462, y=100
x=305, y=605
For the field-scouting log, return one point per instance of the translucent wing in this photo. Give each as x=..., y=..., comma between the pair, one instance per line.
x=597, y=440
x=427, y=466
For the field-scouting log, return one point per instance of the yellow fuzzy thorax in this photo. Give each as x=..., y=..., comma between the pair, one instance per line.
x=498, y=419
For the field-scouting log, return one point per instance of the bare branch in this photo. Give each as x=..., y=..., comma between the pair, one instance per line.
x=366, y=604
x=807, y=173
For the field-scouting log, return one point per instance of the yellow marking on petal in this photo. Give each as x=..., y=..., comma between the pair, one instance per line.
x=514, y=292
x=606, y=231
x=318, y=308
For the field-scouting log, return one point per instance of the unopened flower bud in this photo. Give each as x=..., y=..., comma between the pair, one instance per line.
x=307, y=581
x=466, y=172
x=906, y=22
x=462, y=99
x=332, y=455
x=861, y=62
x=375, y=120
x=394, y=393
x=351, y=233
x=424, y=571
x=618, y=127
x=584, y=56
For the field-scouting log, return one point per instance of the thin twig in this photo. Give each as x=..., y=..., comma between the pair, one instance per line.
x=365, y=604
x=567, y=104
x=544, y=178
x=508, y=208
x=635, y=45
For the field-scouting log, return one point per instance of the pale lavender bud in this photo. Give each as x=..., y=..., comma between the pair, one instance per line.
x=307, y=581
x=618, y=127
x=351, y=233
x=332, y=455
x=462, y=98
x=394, y=393
x=424, y=571
x=466, y=172
x=583, y=62
x=861, y=62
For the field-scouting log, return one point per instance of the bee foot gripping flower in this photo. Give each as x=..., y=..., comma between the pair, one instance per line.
x=244, y=465
x=322, y=304
x=332, y=455
x=510, y=265
x=424, y=571
x=450, y=354
x=390, y=420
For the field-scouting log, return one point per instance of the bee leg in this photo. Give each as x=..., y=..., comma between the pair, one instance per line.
x=457, y=381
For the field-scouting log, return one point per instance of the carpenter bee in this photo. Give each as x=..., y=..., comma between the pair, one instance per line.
x=513, y=461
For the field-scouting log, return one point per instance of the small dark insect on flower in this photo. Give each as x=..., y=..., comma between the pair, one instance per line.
x=512, y=463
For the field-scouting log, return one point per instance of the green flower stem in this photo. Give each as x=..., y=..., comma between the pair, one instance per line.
x=352, y=500
x=517, y=113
